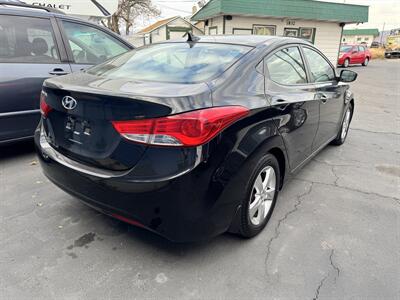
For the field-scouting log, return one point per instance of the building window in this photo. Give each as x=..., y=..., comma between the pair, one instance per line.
x=213, y=30
x=291, y=32
x=358, y=39
x=307, y=34
x=344, y=39
x=264, y=30
x=242, y=31
x=366, y=39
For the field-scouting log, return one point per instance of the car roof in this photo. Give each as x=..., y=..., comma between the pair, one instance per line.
x=245, y=40
x=33, y=11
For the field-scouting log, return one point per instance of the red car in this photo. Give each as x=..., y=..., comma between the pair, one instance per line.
x=354, y=54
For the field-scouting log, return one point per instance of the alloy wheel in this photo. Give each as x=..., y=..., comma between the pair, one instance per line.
x=346, y=124
x=346, y=63
x=262, y=195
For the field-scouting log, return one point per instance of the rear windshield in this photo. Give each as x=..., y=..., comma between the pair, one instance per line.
x=173, y=62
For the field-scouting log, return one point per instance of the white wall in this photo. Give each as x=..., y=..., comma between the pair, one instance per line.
x=159, y=35
x=327, y=34
x=358, y=39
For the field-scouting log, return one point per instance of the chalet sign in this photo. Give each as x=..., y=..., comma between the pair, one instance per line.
x=96, y=8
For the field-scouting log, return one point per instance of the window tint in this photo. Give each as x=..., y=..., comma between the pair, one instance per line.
x=320, y=69
x=172, y=62
x=27, y=40
x=361, y=48
x=90, y=45
x=286, y=67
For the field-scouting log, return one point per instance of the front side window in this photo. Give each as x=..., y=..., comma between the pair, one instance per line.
x=320, y=69
x=263, y=30
x=286, y=67
x=173, y=62
x=27, y=40
x=90, y=45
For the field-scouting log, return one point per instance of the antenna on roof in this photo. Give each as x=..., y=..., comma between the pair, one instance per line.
x=192, y=38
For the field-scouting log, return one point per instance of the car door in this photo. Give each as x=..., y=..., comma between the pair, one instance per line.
x=88, y=45
x=29, y=54
x=328, y=92
x=361, y=50
x=354, y=55
x=292, y=98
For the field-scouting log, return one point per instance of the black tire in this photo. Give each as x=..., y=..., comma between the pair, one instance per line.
x=346, y=63
x=246, y=228
x=340, y=139
x=366, y=61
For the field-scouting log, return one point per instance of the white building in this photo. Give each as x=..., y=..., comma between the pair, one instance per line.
x=358, y=36
x=171, y=28
x=319, y=22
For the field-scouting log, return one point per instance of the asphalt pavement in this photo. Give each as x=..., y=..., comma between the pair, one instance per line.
x=335, y=232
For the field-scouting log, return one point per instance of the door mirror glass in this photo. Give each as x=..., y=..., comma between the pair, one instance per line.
x=348, y=76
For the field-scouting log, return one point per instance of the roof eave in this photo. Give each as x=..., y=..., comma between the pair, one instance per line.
x=279, y=17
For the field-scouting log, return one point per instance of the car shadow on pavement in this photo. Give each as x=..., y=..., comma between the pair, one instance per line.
x=16, y=149
x=134, y=235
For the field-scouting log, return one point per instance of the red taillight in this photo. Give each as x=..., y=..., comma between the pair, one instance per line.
x=44, y=107
x=187, y=129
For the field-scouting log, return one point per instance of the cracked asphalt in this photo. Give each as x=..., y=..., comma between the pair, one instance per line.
x=335, y=232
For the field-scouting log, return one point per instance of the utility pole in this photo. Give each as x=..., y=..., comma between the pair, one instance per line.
x=383, y=32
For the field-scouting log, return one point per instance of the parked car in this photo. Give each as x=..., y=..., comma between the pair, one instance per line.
x=375, y=45
x=37, y=43
x=354, y=54
x=192, y=138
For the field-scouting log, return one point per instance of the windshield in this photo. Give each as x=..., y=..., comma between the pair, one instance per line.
x=345, y=48
x=173, y=62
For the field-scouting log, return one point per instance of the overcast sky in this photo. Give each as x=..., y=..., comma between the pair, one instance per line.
x=381, y=11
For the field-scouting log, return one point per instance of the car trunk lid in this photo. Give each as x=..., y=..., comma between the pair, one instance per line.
x=84, y=131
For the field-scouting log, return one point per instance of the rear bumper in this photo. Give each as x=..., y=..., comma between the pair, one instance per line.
x=184, y=208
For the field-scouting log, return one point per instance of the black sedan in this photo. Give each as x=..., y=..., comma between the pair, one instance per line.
x=190, y=139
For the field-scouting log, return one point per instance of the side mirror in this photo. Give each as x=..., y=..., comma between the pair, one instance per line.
x=347, y=76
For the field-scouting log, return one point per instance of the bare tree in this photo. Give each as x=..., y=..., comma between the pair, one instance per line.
x=128, y=11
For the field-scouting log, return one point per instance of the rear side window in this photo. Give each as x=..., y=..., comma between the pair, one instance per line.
x=27, y=40
x=320, y=69
x=90, y=45
x=361, y=48
x=173, y=62
x=286, y=67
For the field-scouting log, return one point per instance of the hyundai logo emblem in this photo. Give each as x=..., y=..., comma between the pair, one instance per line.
x=68, y=102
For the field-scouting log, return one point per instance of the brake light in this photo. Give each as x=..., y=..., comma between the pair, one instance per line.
x=187, y=129
x=44, y=107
